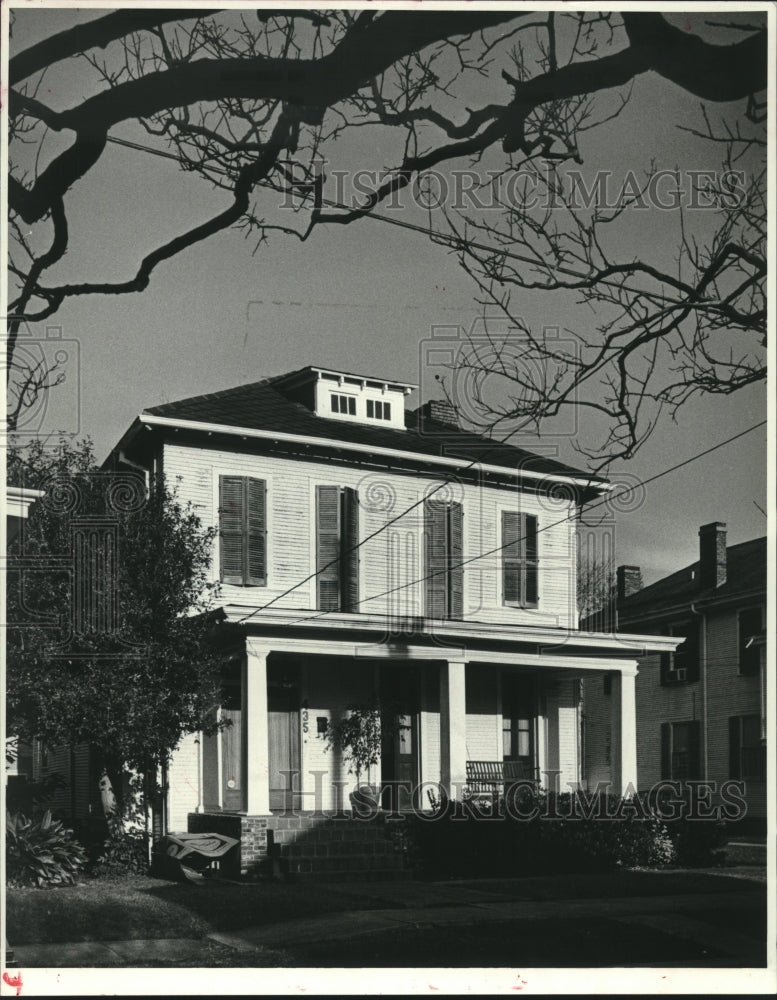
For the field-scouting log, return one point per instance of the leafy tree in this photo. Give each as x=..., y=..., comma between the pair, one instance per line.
x=255, y=101
x=108, y=594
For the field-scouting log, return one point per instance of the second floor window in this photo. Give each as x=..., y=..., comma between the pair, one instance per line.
x=683, y=664
x=750, y=625
x=520, y=563
x=337, y=553
x=443, y=523
x=243, y=531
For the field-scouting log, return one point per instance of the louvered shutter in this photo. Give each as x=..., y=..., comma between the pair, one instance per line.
x=436, y=544
x=256, y=531
x=666, y=751
x=455, y=556
x=231, y=516
x=350, y=550
x=531, y=594
x=734, y=748
x=328, y=547
x=511, y=557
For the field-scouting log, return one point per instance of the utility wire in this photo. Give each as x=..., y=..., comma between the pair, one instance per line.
x=498, y=548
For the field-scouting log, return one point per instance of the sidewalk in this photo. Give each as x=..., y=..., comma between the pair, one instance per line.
x=428, y=907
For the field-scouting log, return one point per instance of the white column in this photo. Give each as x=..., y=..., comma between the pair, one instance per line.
x=453, y=727
x=256, y=731
x=624, y=731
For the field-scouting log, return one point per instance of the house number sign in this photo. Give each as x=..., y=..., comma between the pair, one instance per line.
x=305, y=717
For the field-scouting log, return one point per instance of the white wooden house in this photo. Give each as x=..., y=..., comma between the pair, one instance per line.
x=368, y=552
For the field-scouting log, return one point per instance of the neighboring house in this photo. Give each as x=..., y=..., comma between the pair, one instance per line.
x=18, y=500
x=701, y=711
x=366, y=553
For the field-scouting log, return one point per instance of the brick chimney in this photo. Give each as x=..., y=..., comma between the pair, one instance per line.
x=628, y=581
x=712, y=555
x=438, y=411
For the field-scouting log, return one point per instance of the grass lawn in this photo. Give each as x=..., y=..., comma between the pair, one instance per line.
x=142, y=907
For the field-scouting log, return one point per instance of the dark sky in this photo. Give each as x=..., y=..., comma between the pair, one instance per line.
x=364, y=298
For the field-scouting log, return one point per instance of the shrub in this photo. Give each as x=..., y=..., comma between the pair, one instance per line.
x=29, y=797
x=699, y=843
x=121, y=854
x=41, y=852
x=561, y=837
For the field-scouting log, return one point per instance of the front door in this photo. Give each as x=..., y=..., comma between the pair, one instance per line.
x=283, y=709
x=399, y=722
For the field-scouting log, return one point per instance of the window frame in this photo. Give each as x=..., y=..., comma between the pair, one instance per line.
x=523, y=562
x=669, y=661
x=736, y=769
x=339, y=398
x=353, y=505
x=668, y=750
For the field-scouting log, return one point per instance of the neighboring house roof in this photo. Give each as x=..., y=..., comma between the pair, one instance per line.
x=745, y=574
x=262, y=406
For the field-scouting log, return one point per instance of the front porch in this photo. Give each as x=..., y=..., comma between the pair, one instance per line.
x=445, y=706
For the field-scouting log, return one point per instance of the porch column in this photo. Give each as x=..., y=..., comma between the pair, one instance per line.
x=453, y=727
x=256, y=731
x=624, y=730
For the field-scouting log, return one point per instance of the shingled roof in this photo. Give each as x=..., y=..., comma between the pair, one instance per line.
x=263, y=406
x=745, y=574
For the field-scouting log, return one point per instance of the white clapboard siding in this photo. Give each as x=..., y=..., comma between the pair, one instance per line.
x=392, y=564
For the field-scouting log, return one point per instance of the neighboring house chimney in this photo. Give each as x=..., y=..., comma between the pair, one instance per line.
x=628, y=581
x=712, y=555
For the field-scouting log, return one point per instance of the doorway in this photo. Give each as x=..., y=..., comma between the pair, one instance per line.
x=399, y=698
x=283, y=711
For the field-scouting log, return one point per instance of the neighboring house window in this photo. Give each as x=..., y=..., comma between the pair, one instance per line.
x=243, y=530
x=749, y=625
x=520, y=565
x=337, y=552
x=377, y=410
x=747, y=754
x=680, y=757
x=683, y=664
x=343, y=404
x=444, y=579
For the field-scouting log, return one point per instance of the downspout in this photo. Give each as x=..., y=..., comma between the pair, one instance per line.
x=703, y=655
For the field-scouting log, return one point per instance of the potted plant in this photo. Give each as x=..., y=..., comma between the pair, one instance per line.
x=357, y=736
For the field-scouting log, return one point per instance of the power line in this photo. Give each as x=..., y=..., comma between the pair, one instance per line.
x=498, y=548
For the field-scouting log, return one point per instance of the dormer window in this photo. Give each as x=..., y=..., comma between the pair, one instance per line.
x=343, y=404
x=376, y=410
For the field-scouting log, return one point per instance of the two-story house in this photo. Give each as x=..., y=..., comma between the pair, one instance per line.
x=701, y=710
x=373, y=555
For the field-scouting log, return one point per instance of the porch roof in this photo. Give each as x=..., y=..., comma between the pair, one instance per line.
x=480, y=639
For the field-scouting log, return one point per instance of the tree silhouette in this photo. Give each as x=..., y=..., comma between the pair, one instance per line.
x=254, y=101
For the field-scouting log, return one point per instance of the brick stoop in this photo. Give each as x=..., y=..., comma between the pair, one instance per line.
x=338, y=848
x=323, y=847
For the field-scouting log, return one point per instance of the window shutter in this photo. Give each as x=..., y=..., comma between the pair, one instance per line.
x=694, y=750
x=666, y=751
x=734, y=748
x=530, y=549
x=231, y=529
x=436, y=552
x=328, y=547
x=350, y=543
x=666, y=665
x=455, y=556
x=256, y=531
x=511, y=557
x=693, y=650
